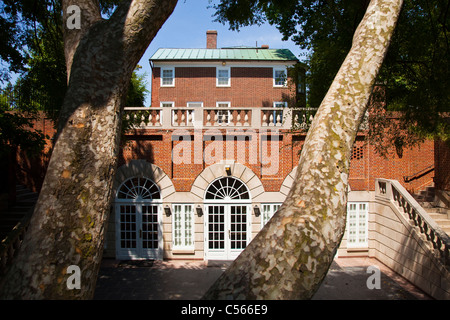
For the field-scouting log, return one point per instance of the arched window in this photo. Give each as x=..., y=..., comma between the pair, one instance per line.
x=227, y=188
x=139, y=188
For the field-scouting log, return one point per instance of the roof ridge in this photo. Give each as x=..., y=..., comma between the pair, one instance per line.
x=226, y=53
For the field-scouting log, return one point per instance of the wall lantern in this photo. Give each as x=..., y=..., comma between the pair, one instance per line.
x=199, y=210
x=256, y=210
x=228, y=170
x=167, y=210
x=224, y=63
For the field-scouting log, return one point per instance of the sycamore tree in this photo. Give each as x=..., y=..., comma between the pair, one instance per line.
x=67, y=227
x=291, y=255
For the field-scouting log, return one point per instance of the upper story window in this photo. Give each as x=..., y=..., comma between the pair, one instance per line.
x=167, y=77
x=223, y=78
x=279, y=77
x=167, y=104
x=195, y=104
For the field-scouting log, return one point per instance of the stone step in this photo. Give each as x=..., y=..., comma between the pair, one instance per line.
x=25, y=200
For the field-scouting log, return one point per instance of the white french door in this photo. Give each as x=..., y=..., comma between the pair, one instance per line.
x=227, y=230
x=138, y=231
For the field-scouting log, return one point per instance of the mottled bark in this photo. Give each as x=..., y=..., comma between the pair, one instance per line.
x=67, y=227
x=290, y=257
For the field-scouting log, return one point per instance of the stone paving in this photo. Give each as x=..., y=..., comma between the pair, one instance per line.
x=188, y=280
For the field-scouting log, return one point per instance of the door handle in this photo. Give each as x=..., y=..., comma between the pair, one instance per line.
x=140, y=233
x=229, y=234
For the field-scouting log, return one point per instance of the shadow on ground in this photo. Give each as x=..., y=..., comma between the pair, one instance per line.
x=189, y=280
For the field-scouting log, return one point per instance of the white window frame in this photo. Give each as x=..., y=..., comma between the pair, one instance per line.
x=187, y=236
x=188, y=104
x=277, y=103
x=267, y=212
x=357, y=225
x=162, y=76
x=228, y=103
x=171, y=103
x=218, y=69
x=275, y=84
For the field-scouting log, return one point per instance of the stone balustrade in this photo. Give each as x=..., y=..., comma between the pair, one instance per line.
x=256, y=118
x=394, y=192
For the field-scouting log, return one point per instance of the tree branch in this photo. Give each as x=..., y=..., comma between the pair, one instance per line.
x=90, y=14
x=141, y=21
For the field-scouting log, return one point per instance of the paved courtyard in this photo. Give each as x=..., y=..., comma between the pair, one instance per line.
x=189, y=280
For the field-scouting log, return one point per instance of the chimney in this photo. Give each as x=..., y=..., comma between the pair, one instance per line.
x=211, y=39
x=265, y=46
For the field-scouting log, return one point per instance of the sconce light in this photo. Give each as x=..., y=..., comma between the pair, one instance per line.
x=228, y=170
x=224, y=63
x=256, y=210
x=167, y=210
x=199, y=210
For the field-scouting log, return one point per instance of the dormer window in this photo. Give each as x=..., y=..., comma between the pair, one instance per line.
x=167, y=77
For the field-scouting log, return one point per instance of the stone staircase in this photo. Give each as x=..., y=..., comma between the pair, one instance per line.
x=440, y=214
x=25, y=201
x=14, y=222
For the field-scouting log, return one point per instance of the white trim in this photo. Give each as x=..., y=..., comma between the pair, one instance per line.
x=139, y=252
x=210, y=201
x=183, y=223
x=357, y=225
x=284, y=103
x=275, y=69
x=173, y=76
x=267, y=211
x=172, y=103
x=225, y=253
x=218, y=69
x=200, y=102
x=228, y=103
x=230, y=64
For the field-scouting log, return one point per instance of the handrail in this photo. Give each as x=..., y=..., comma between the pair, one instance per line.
x=11, y=244
x=393, y=191
x=418, y=174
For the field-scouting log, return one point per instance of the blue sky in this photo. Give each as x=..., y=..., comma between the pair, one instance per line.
x=187, y=26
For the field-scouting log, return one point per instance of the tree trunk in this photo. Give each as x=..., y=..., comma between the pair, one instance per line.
x=67, y=227
x=291, y=255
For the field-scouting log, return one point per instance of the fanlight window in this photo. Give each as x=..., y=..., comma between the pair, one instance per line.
x=227, y=188
x=139, y=188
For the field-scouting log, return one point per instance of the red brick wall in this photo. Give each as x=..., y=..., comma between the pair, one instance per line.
x=250, y=87
x=156, y=147
x=366, y=164
x=442, y=165
x=30, y=170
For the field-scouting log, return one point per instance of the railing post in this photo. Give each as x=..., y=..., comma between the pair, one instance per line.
x=256, y=118
x=166, y=119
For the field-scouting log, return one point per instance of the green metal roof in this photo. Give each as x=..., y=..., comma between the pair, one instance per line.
x=239, y=53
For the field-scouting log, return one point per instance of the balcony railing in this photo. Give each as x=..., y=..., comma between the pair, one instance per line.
x=173, y=118
x=392, y=191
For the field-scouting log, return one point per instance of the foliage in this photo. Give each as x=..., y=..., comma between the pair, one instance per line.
x=15, y=129
x=32, y=46
x=415, y=72
x=137, y=90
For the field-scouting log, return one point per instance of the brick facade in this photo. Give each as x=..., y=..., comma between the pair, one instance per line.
x=184, y=158
x=442, y=166
x=366, y=164
x=250, y=87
